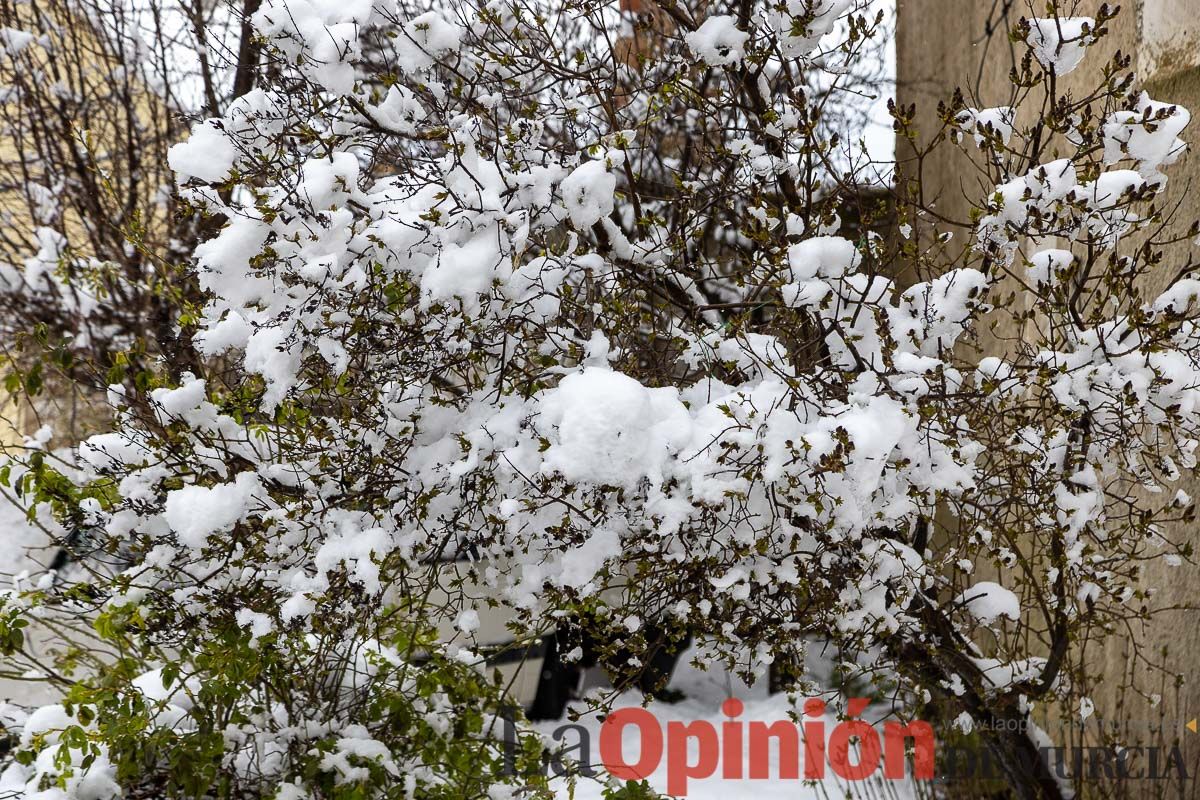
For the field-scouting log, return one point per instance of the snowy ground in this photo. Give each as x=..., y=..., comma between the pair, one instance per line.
x=705, y=692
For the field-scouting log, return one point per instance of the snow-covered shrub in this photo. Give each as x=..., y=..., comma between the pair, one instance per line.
x=471, y=285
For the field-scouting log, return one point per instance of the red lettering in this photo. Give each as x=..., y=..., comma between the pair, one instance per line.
x=612, y=754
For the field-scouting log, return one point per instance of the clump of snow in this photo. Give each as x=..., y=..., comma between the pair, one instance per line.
x=854, y=337
x=106, y=451
x=1086, y=708
x=1110, y=188
x=999, y=675
x=432, y=36
x=894, y=574
x=170, y=704
x=13, y=41
x=718, y=42
x=322, y=36
x=754, y=354
x=197, y=512
x=328, y=183
x=269, y=354
x=988, y=121
x=208, y=153
x=824, y=256
x=71, y=773
x=987, y=601
x=1108, y=199
x=588, y=193
x=468, y=621
x=256, y=118
x=579, y=566
x=464, y=269
x=605, y=427
x=932, y=315
x=400, y=110
x=351, y=751
x=1178, y=298
x=358, y=550
x=1059, y=43
x=48, y=721
x=996, y=377
x=800, y=24
x=1027, y=202
x=1046, y=265
x=813, y=263
x=1149, y=135
x=27, y=547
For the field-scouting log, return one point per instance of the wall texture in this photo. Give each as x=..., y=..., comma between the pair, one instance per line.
x=1169, y=40
x=947, y=44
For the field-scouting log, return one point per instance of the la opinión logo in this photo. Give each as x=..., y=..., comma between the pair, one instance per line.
x=739, y=749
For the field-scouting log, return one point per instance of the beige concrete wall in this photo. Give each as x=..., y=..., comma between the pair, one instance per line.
x=1169, y=42
x=944, y=44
